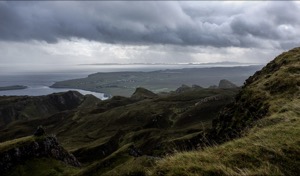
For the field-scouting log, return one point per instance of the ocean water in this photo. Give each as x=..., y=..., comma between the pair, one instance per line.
x=38, y=84
x=39, y=80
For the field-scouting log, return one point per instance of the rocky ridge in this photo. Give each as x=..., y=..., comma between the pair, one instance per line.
x=24, y=107
x=35, y=147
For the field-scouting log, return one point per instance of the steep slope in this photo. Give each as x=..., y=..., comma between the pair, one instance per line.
x=264, y=93
x=22, y=150
x=24, y=107
x=23, y=114
x=266, y=116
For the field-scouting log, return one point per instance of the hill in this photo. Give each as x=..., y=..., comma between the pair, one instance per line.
x=125, y=83
x=265, y=115
x=253, y=130
x=117, y=130
x=25, y=107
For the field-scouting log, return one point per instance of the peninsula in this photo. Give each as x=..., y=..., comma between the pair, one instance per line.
x=13, y=87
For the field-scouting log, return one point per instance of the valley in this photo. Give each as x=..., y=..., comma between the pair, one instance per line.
x=219, y=130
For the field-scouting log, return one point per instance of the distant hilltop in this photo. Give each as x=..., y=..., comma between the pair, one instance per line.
x=124, y=83
x=172, y=63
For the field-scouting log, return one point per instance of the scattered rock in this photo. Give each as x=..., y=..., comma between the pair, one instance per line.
x=133, y=151
x=39, y=131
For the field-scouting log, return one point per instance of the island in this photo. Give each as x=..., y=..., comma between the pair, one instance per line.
x=13, y=87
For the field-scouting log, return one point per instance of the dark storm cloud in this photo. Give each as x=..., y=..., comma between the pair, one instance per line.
x=179, y=23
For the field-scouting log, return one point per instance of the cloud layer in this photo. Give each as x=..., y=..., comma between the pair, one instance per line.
x=41, y=35
x=214, y=24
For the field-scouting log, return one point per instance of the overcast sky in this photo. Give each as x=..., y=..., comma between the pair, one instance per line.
x=80, y=32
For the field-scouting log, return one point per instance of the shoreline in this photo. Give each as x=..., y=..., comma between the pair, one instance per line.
x=13, y=87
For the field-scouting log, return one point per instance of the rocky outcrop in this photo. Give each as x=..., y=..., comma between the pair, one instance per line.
x=225, y=84
x=22, y=108
x=185, y=88
x=142, y=93
x=47, y=146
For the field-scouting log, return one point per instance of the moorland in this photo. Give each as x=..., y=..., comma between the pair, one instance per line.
x=248, y=130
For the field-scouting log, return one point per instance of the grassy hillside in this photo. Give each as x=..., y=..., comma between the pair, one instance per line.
x=266, y=114
x=255, y=133
x=271, y=147
x=14, y=108
x=108, y=134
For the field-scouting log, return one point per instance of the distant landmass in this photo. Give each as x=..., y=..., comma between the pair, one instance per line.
x=221, y=130
x=190, y=63
x=14, y=87
x=125, y=83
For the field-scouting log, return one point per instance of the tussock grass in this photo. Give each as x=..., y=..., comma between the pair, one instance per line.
x=266, y=149
x=270, y=143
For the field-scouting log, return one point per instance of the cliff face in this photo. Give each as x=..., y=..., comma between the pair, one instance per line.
x=48, y=147
x=23, y=108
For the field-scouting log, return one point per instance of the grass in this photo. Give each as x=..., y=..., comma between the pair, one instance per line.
x=44, y=167
x=15, y=143
x=265, y=150
x=267, y=113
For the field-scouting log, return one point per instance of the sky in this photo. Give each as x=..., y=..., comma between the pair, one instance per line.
x=79, y=32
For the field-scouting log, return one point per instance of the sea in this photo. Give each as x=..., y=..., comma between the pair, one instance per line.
x=39, y=80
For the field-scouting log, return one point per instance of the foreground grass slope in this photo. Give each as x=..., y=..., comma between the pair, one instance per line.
x=270, y=142
x=272, y=147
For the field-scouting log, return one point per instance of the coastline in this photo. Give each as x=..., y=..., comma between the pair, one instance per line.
x=13, y=87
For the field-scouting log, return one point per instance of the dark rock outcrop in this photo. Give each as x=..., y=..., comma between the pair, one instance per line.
x=39, y=131
x=225, y=84
x=183, y=88
x=142, y=93
x=40, y=147
x=24, y=107
x=133, y=151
